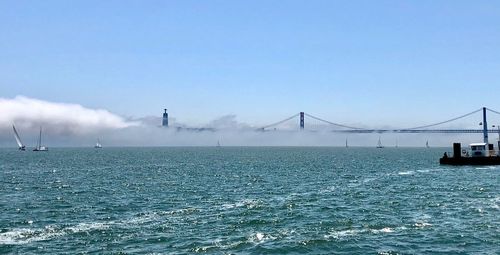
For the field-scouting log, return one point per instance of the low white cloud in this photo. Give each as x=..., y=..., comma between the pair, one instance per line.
x=57, y=118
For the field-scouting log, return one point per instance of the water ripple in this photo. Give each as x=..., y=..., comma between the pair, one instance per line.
x=245, y=200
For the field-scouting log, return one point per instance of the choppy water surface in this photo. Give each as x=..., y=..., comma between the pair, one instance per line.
x=245, y=201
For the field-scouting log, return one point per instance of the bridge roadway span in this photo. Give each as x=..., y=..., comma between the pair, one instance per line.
x=409, y=131
x=341, y=128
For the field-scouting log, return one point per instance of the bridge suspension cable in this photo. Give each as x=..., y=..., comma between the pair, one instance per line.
x=443, y=122
x=416, y=129
x=280, y=122
x=493, y=111
x=332, y=123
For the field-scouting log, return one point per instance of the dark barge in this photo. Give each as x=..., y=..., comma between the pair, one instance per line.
x=478, y=153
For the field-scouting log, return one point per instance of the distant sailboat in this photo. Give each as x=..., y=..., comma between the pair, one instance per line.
x=218, y=143
x=379, y=144
x=427, y=144
x=18, y=140
x=98, y=144
x=347, y=146
x=39, y=146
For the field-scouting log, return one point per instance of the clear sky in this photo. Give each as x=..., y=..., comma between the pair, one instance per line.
x=371, y=62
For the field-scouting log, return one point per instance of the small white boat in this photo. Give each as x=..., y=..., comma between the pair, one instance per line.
x=39, y=146
x=98, y=145
x=379, y=144
x=22, y=147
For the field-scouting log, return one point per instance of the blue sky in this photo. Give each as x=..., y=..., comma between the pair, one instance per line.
x=371, y=62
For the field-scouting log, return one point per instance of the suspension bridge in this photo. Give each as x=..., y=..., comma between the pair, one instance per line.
x=291, y=122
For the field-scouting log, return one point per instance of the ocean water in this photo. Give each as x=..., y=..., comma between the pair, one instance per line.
x=245, y=200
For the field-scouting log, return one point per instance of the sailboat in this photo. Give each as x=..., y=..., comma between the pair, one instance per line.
x=218, y=143
x=379, y=144
x=39, y=146
x=347, y=146
x=98, y=144
x=18, y=140
x=427, y=144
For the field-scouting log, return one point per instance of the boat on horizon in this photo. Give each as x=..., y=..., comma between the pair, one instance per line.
x=427, y=144
x=379, y=144
x=20, y=144
x=39, y=146
x=98, y=144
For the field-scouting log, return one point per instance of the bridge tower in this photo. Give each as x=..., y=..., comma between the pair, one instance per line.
x=165, y=119
x=301, y=120
x=485, y=127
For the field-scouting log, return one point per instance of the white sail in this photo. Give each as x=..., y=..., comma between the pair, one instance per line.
x=18, y=139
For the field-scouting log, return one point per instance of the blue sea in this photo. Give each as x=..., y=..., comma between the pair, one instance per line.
x=245, y=200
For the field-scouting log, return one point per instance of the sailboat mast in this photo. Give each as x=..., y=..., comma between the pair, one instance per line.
x=40, y=138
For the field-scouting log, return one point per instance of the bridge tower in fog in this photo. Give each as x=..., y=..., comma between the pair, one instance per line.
x=301, y=120
x=165, y=119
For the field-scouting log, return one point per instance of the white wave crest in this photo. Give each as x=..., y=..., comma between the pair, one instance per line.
x=406, y=172
x=27, y=235
x=260, y=237
x=248, y=203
